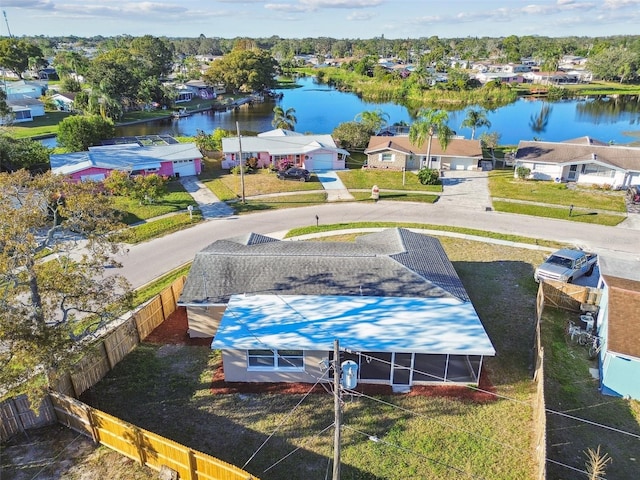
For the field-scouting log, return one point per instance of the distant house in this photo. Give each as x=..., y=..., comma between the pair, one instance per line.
x=48, y=74
x=397, y=152
x=24, y=110
x=619, y=332
x=64, y=101
x=22, y=89
x=179, y=159
x=581, y=160
x=314, y=152
x=392, y=299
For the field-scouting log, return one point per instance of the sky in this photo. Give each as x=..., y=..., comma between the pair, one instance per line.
x=321, y=18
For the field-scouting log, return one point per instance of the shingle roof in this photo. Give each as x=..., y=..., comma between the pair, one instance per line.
x=624, y=327
x=582, y=151
x=282, y=142
x=457, y=147
x=391, y=263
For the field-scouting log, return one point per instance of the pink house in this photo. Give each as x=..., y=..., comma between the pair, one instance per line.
x=174, y=160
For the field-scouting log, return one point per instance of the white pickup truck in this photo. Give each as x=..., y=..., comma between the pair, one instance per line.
x=566, y=265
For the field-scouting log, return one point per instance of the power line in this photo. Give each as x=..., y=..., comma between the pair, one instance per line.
x=298, y=448
x=283, y=421
x=376, y=439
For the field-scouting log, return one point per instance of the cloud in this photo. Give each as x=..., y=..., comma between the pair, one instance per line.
x=315, y=4
x=285, y=7
x=359, y=16
x=31, y=4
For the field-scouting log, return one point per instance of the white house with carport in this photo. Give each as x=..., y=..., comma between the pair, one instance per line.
x=392, y=299
x=172, y=160
x=582, y=160
x=315, y=152
x=398, y=152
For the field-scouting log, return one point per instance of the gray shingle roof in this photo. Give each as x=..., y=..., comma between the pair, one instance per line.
x=391, y=263
x=575, y=151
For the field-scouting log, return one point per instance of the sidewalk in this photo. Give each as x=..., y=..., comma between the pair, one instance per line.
x=210, y=206
x=336, y=191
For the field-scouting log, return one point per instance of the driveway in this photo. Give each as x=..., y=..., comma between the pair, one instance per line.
x=465, y=189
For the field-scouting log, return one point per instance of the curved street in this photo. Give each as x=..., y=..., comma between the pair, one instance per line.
x=146, y=261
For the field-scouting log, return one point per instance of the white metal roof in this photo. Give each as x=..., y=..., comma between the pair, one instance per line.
x=123, y=157
x=360, y=323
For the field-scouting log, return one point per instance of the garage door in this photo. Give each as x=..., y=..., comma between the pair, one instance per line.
x=462, y=164
x=321, y=161
x=184, y=168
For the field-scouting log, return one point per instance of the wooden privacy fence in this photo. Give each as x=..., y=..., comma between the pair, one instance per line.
x=97, y=360
x=568, y=296
x=145, y=447
x=539, y=403
x=102, y=356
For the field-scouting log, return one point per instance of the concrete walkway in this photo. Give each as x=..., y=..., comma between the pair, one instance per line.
x=208, y=204
x=336, y=191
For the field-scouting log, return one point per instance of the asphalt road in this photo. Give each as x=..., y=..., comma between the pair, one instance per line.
x=145, y=262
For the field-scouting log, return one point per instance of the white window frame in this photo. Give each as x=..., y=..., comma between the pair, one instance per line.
x=386, y=157
x=276, y=360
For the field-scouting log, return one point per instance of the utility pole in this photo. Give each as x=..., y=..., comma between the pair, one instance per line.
x=7, y=22
x=337, y=411
x=241, y=162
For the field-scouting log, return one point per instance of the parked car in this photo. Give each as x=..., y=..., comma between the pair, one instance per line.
x=294, y=173
x=633, y=194
x=566, y=265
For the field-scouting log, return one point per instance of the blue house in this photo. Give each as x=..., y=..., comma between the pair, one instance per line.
x=619, y=332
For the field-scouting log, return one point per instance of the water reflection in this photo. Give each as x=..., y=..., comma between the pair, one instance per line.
x=320, y=108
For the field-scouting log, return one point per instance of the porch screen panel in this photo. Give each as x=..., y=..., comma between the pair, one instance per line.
x=460, y=369
x=375, y=366
x=429, y=368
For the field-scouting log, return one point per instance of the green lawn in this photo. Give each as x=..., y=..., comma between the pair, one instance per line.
x=40, y=126
x=176, y=200
x=582, y=215
x=385, y=179
x=503, y=185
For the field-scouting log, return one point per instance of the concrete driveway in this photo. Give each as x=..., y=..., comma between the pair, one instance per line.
x=465, y=189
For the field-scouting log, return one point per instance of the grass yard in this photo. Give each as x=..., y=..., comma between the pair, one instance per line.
x=503, y=185
x=570, y=389
x=167, y=389
x=40, y=126
x=176, y=200
x=385, y=179
x=227, y=186
x=582, y=215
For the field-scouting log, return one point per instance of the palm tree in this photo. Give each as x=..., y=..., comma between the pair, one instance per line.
x=475, y=119
x=431, y=122
x=285, y=119
x=538, y=123
x=373, y=120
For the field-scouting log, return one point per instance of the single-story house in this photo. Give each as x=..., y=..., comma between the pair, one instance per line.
x=24, y=88
x=397, y=152
x=392, y=299
x=619, y=329
x=24, y=110
x=314, y=152
x=581, y=160
x=180, y=159
x=64, y=101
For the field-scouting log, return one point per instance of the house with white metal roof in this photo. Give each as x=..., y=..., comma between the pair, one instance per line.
x=276, y=147
x=391, y=298
x=173, y=160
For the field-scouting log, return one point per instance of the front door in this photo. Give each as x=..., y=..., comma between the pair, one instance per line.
x=401, y=368
x=573, y=173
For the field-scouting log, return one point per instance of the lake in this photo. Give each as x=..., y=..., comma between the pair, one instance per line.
x=320, y=108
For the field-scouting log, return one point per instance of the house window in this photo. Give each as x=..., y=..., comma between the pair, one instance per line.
x=386, y=157
x=598, y=170
x=275, y=359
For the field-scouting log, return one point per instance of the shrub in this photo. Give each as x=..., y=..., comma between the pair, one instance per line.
x=429, y=176
x=523, y=172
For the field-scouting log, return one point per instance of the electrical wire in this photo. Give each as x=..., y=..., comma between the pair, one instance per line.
x=282, y=422
x=376, y=439
x=298, y=448
x=59, y=453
